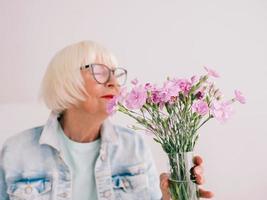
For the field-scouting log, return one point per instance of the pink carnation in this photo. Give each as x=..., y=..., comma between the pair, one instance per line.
x=136, y=98
x=221, y=111
x=112, y=105
x=149, y=87
x=212, y=72
x=201, y=107
x=169, y=91
x=155, y=96
x=134, y=81
x=239, y=97
x=183, y=84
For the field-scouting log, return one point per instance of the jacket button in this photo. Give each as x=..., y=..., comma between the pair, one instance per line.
x=64, y=194
x=126, y=183
x=28, y=189
x=107, y=194
x=103, y=157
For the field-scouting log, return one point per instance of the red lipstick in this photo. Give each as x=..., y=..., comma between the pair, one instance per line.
x=109, y=96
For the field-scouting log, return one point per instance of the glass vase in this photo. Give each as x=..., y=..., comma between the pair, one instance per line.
x=181, y=186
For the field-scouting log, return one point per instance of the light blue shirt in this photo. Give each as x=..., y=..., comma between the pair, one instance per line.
x=81, y=158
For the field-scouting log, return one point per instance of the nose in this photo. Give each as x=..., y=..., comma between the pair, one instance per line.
x=113, y=83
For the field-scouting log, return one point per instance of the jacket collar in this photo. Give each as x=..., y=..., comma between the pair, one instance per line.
x=52, y=127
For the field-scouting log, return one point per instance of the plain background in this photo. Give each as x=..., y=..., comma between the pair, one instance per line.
x=152, y=39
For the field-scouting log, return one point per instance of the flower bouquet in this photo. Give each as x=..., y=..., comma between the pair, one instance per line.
x=173, y=113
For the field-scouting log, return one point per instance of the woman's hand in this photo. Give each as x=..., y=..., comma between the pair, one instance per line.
x=196, y=171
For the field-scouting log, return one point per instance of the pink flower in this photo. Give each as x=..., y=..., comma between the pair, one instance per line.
x=239, y=97
x=156, y=96
x=112, y=105
x=167, y=93
x=123, y=94
x=136, y=98
x=221, y=110
x=183, y=84
x=169, y=90
x=172, y=87
x=212, y=72
x=134, y=81
x=149, y=86
x=201, y=107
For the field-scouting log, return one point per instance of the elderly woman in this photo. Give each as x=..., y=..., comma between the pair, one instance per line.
x=79, y=154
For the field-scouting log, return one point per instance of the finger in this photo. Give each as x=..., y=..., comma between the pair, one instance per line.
x=199, y=180
x=205, y=194
x=198, y=170
x=164, y=181
x=197, y=160
x=164, y=185
x=164, y=176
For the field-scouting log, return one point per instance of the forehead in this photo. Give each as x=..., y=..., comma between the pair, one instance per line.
x=104, y=58
x=104, y=64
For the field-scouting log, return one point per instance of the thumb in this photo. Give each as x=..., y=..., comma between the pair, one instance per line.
x=164, y=186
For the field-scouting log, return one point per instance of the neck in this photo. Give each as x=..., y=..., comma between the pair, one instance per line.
x=80, y=126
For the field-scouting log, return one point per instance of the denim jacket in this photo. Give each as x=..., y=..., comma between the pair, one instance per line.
x=32, y=166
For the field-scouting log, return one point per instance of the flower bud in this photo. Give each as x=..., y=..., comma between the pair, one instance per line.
x=218, y=98
x=204, y=78
x=216, y=93
x=199, y=95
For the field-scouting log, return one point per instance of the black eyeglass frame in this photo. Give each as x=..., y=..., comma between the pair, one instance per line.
x=109, y=70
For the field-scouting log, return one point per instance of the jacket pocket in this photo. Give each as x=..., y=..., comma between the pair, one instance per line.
x=30, y=189
x=133, y=184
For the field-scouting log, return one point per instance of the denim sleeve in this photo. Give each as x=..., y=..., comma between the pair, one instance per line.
x=3, y=186
x=153, y=176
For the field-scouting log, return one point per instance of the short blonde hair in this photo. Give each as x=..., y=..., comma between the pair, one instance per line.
x=63, y=85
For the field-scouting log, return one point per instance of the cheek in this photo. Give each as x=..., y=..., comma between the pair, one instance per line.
x=92, y=88
x=93, y=105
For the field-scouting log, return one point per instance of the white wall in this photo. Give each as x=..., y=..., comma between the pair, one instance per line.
x=152, y=39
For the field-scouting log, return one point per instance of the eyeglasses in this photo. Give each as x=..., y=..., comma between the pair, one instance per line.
x=102, y=73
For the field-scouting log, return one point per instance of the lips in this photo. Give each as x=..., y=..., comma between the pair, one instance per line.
x=109, y=96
